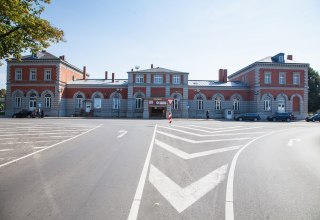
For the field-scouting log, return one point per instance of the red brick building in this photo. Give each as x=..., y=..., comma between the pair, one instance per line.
x=49, y=83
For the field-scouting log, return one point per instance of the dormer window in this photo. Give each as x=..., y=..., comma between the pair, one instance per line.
x=281, y=59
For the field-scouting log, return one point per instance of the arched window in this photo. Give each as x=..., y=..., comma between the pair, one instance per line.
x=18, y=100
x=79, y=101
x=33, y=102
x=47, y=101
x=139, y=102
x=217, y=103
x=236, y=104
x=267, y=104
x=97, y=102
x=199, y=103
x=175, y=104
x=116, y=101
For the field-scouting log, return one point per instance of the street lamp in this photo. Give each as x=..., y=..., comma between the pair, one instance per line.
x=118, y=92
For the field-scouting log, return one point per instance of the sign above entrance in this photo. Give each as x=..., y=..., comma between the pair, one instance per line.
x=157, y=102
x=170, y=101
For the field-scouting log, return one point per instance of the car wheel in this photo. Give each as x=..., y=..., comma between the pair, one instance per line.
x=288, y=119
x=240, y=119
x=28, y=116
x=14, y=116
x=255, y=119
x=313, y=120
x=274, y=119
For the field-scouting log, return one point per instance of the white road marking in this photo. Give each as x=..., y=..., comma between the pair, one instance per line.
x=49, y=147
x=138, y=195
x=39, y=147
x=182, y=198
x=187, y=156
x=207, y=135
x=210, y=128
x=123, y=132
x=229, y=212
x=290, y=143
x=198, y=142
x=3, y=150
x=213, y=132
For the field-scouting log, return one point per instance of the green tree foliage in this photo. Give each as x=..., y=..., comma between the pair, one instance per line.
x=2, y=93
x=314, y=90
x=22, y=29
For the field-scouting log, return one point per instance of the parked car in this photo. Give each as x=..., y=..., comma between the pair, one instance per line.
x=23, y=114
x=280, y=116
x=248, y=116
x=315, y=117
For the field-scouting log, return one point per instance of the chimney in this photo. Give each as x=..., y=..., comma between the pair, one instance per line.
x=225, y=76
x=84, y=73
x=289, y=57
x=106, y=75
x=113, y=77
x=220, y=75
x=151, y=66
x=62, y=57
x=131, y=70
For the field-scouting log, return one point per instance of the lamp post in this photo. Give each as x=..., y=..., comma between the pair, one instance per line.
x=118, y=92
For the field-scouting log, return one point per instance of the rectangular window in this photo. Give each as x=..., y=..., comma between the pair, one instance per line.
x=33, y=75
x=267, y=78
x=157, y=79
x=97, y=103
x=176, y=79
x=139, y=103
x=47, y=102
x=47, y=75
x=296, y=79
x=79, y=103
x=218, y=104
x=282, y=78
x=199, y=104
x=18, y=102
x=18, y=74
x=267, y=105
x=139, y=78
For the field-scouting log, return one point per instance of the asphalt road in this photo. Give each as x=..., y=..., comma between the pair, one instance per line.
x=146, y=169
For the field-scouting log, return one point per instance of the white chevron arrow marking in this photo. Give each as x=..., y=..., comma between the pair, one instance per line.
x=199, y=142
x=182, y=198
x=187, y=156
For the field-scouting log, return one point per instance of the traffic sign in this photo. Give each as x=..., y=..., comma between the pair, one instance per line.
x=170, y=101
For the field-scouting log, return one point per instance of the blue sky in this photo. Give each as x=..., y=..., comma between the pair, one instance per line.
x=198, y=37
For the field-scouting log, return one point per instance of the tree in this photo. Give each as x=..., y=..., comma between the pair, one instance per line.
x=22, y=29
x=314, y=90
x=2, y=93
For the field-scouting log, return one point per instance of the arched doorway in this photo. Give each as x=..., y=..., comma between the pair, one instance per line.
x=281, y=104
x=33, y=102
x=296, y=104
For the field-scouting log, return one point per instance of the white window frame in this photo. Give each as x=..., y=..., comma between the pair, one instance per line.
x=199, y=103
x=139, y=103
x=176, y=79
x=47, y=101
x=236, y=104
x=175, y=103
x=47, y=75
x=158, y=79
x=282, y=78
x=217, y=103
x=296, y=79
x=140, y=78
x=79, y=101
x=18, y=101
x=267, y=78
x=97, y=102
x=267, y=104
x=33, y=75
x=281, y=59
x=18, y=74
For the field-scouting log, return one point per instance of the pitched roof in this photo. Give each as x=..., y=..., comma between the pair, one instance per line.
x=98, y=82
x=213, y=83
x=41, y=55
x=158, y=70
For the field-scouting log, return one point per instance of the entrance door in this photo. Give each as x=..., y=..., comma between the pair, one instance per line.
x=32, y=103
x=158, y=112
x=281, y=105
x=88, y=106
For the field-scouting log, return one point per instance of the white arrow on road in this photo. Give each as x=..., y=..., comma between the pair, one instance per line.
x=290, y=143
x=122, y=133
x=187, y=156
x=182, y=198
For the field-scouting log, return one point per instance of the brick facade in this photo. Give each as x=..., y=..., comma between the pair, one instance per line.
x=265, y=86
